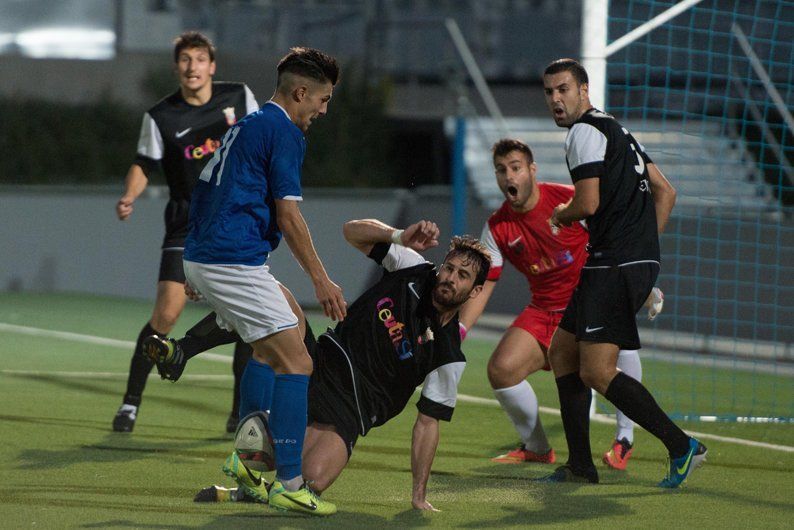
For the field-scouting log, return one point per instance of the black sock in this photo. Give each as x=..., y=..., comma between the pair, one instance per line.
x=575, y=400
x=204, y=336
x=631, y=397
x=242, y=353
x=140, y=366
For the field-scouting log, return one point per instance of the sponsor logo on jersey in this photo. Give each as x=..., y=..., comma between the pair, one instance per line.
x=547, y=263
x=402, y=345
x=209, y=146
x=231, y=118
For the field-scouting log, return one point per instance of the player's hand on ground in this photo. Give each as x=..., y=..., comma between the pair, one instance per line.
x=423, y=505
x=330, y=297
x=421, y=236
x=124, y=208
x=192, y=294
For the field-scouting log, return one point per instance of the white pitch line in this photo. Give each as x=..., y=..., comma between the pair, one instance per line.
x=91, y=339
x=600, y=418
x=109, y=375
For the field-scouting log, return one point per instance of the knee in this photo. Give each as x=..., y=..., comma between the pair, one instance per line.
x=555, y=360
x=596, y=378
x=501, y=374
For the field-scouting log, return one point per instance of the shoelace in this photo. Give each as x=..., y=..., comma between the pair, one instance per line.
x=307, y=485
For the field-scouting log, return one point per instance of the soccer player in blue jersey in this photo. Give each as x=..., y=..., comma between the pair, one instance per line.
x=246, y=199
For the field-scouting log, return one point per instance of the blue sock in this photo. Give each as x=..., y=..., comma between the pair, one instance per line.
x=256, y=387
x=288, y=423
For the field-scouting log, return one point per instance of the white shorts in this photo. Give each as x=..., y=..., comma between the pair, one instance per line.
x=247, y=299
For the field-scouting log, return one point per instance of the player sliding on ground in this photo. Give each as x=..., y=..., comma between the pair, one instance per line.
x=551, y=260
x=401, y=333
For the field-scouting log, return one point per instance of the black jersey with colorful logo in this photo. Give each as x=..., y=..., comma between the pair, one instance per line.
x=623, y=228
x=394, y=342
x=181, y=138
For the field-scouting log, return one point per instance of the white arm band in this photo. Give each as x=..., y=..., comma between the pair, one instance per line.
x=396, y=237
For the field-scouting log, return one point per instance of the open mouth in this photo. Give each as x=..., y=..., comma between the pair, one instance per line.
x=559, y=113
x=512, y=191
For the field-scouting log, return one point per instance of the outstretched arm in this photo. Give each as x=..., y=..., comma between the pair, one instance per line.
x=365, y=233
x=423, y=450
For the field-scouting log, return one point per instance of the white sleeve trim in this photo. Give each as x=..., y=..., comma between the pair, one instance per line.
x=399, y=257
x=250, y=101
x=150, y=142
x=584, y=144
x=441, y=385
x=488, y=240
x=292, y=198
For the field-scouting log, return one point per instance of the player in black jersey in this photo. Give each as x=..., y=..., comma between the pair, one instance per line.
x=179, y=133
x=401, y=333
x=626, y=202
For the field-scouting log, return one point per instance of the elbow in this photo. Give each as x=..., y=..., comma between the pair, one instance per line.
x=348, y=229
x=672, y=195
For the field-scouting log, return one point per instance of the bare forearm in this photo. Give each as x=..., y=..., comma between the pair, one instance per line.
x=664, y=205
x=296, y=234
x=135, y=182
x=582, y=205
x=363, y=233
x=474, y=307
x=423, y=451
x=576, y=211
x=664, y=195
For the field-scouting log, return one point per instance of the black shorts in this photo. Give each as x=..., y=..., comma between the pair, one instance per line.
x=605, y=303
x=176, y=223
x=171, y=269
x=332, y=392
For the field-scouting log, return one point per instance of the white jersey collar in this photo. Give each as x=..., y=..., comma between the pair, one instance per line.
x=271, y=102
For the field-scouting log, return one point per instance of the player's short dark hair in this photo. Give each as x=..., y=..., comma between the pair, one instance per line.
x=311, y=63
x=508, y=145
x=470, y=248
x=568, y=65
x=193, y=39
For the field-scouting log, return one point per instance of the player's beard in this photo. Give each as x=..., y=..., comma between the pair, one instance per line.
x=449, y=299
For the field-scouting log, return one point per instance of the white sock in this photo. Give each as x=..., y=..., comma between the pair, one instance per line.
x=521, y=405
x=628, y=363
x=131, y=410
x=293, y=484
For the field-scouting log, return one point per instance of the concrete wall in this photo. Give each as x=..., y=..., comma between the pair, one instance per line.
x=727, y=277
x=72, y=241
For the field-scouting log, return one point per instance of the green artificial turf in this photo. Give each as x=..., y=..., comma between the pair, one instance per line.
x=61, y=466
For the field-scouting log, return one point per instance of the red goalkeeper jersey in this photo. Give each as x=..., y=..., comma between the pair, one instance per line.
x=550, y=262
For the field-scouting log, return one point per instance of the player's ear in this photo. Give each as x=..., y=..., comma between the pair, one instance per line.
x=300, y=92
x=475, y=292
x=212, y=68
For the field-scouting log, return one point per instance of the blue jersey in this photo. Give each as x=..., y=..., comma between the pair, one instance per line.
x=232, y=211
